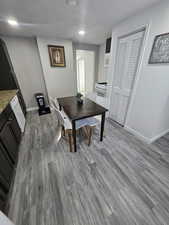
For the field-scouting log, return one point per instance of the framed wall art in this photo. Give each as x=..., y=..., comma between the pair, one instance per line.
x=57, y=56
x=160, y=49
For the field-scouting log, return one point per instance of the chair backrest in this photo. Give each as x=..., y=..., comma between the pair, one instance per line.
x=59, y=116
x=54, y=102
x=51, y=101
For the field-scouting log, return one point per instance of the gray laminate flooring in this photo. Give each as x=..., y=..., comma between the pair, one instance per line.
x=163, y=142
x=121, y=181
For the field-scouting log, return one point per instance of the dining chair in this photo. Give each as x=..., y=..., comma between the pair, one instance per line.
x=67, y=125
x=88, y=124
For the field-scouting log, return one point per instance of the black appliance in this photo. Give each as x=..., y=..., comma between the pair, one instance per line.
x=43, y=109
x=108, y=45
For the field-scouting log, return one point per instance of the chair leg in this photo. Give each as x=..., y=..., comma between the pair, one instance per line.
x=85, y=131
x=70, y=140
x=63, y=131
x=90, y=135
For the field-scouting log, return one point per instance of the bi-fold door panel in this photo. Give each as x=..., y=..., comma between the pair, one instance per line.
x=127, y=57
x=133, y=58
x=117, y=84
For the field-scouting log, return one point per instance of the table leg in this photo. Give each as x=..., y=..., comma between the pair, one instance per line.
x=102, y=126
x=74, y=134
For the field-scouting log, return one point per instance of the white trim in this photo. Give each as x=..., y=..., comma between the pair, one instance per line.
x=31, y=109
x=43, y=75
x=138, y=135
x=159, y=135
x=143, y=138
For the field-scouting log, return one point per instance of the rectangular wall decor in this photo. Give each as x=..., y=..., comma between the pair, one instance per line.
x=57, y=56
x=160, y=49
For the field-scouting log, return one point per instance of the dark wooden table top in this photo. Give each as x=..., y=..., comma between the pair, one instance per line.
x=76, y=111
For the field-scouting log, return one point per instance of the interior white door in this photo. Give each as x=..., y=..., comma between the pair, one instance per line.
x=127, y=59
x=85, y=61
x=81, y=75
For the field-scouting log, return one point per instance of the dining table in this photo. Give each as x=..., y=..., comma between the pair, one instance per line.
x=76, y=110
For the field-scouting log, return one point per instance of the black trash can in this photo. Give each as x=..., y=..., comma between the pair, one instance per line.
x=43, y=109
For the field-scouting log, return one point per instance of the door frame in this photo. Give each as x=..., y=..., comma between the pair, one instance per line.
x=146, y=29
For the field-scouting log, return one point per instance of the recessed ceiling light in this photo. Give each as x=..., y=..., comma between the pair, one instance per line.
x=12, y=22
x=72, y=2
x=81, y=32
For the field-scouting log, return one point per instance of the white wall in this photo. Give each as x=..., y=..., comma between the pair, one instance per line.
x=148, y=114
x=26, y=62
x=60, y=82
x=101, y=72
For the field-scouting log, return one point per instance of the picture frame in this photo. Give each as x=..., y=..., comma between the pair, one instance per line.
x=160, y=50
x=57, y=56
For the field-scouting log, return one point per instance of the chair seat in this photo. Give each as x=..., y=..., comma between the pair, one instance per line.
x=92, y=121
x=81, y=123
x=68, y=124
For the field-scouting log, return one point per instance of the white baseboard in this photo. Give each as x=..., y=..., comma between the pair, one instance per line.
x=143, y=138
x=159, y=135
x=31, y=109
x=138, y=135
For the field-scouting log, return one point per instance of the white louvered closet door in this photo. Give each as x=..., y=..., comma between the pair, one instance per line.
x=127, y=58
